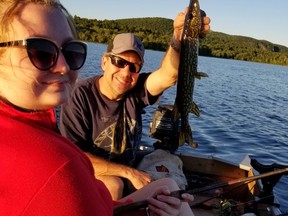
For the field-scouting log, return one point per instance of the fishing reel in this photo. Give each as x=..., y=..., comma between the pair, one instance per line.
x=165, y=128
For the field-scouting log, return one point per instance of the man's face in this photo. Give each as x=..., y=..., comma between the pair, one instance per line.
x=118, y=79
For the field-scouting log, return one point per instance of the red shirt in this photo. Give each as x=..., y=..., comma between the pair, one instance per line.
x=42, y=173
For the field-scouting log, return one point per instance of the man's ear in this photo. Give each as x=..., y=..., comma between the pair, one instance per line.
x=104, y=62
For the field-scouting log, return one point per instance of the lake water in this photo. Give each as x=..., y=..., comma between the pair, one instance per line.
x=244, y=109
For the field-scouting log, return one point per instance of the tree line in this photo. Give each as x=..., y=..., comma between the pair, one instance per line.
x=156, y=32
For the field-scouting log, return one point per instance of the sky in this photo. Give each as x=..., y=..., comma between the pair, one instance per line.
x=259, y=19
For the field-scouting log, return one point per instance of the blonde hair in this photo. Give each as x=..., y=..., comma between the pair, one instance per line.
x=10, y=8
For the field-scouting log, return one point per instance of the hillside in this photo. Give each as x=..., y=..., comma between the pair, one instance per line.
x=156, y=32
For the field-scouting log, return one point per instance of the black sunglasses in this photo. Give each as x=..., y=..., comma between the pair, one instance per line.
x=122, y=63
x=44, y=53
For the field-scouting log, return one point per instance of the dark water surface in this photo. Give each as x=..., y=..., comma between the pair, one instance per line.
x=244, y=109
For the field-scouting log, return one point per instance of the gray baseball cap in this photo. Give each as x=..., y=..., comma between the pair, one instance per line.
x=126, y=42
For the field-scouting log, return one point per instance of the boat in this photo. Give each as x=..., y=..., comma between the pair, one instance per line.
x=223, y=188
x=235, y=199
x=220, y=187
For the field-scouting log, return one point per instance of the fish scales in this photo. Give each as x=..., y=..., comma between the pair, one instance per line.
x=188, y=72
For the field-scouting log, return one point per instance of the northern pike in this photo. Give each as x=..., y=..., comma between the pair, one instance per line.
x=187, y=72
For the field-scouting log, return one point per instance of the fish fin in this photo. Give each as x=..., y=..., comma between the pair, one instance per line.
x=195, y=109
x=199, y=75
x=186, y=136
x=189, y=139
x=193, y=145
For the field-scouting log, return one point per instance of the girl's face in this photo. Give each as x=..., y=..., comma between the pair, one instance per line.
x=21, y=83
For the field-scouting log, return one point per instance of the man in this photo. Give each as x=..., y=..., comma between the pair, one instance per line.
x=103, y=116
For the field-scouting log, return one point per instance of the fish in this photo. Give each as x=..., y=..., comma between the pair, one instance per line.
x=187, y=72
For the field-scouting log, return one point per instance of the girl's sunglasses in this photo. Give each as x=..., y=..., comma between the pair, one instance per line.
x=44, y=53
x=122, y=63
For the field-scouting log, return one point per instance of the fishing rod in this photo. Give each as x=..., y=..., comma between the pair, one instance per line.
x=121, y=209
x=263, y=198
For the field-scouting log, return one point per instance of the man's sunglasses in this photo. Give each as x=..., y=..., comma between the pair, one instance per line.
x=44, y=53
x=122, y=63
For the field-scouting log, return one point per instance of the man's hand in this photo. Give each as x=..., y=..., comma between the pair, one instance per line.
x=179, y=24
x=139, y=178
x=205, y=24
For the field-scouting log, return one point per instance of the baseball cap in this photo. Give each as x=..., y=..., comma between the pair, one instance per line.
x=126, y=42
